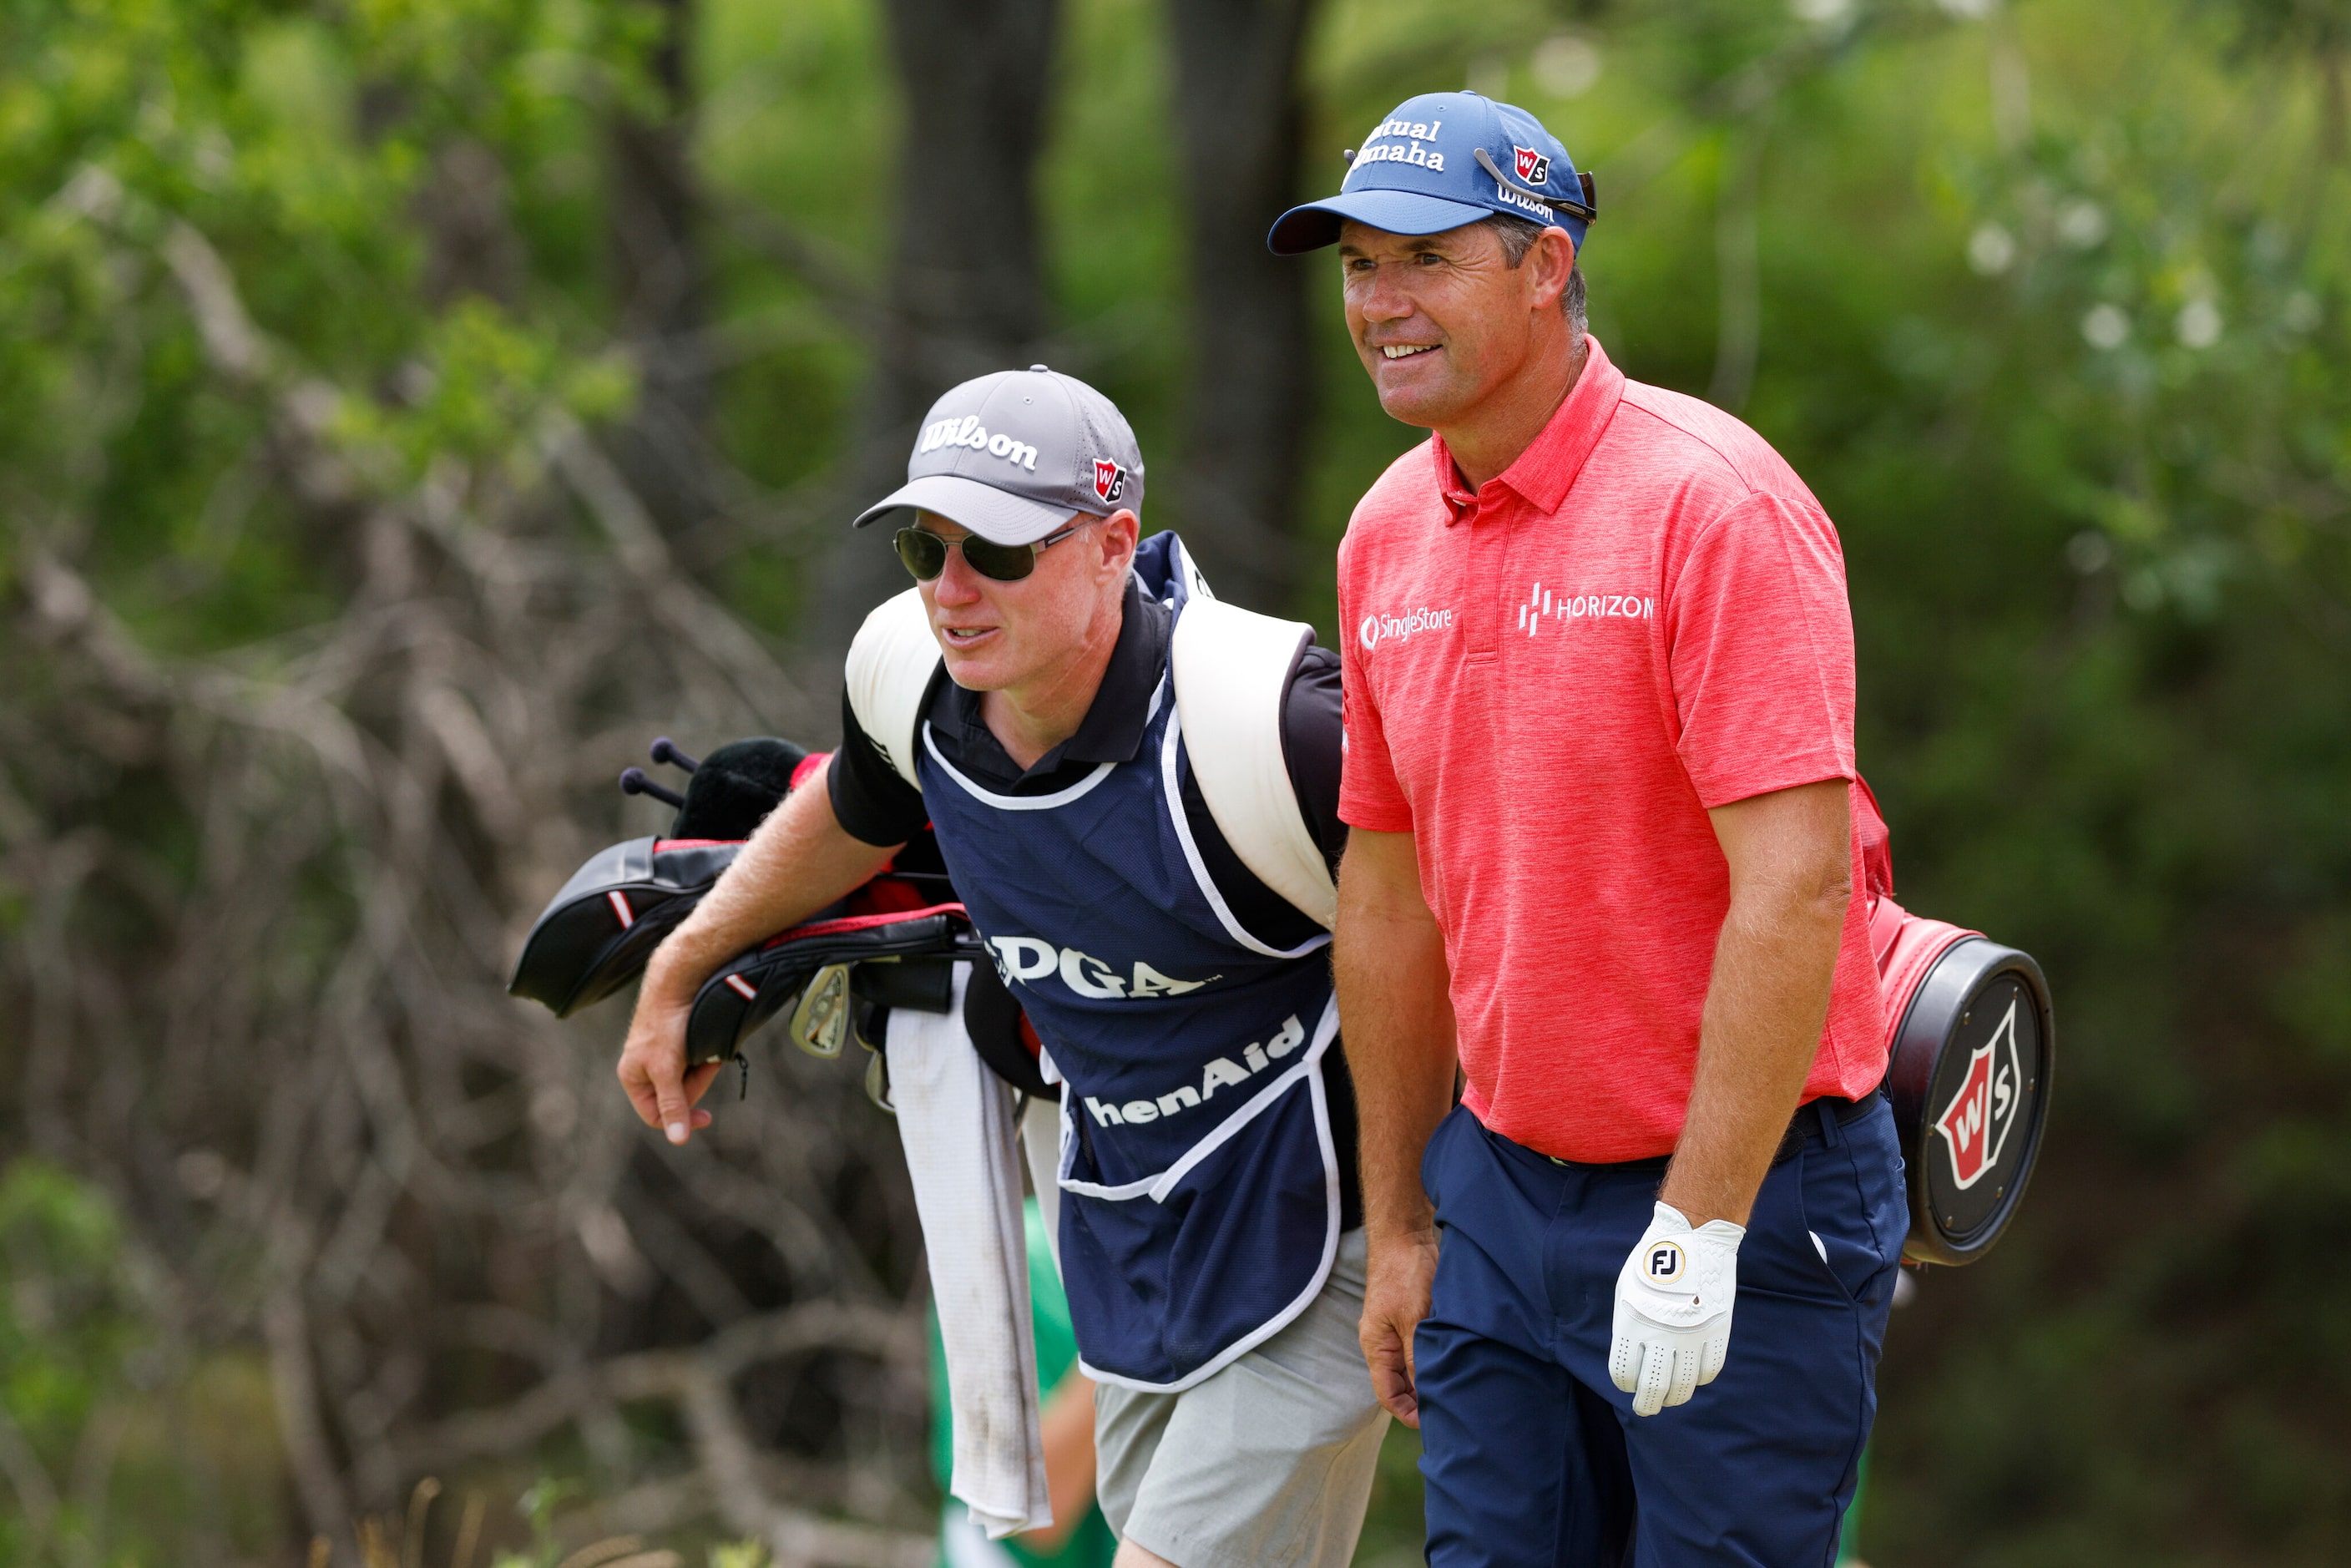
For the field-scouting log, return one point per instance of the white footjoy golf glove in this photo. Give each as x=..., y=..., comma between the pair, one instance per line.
x=1674, y=1297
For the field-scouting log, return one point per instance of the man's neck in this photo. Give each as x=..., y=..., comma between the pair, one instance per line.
x=1030, y=719
x=1507, y=424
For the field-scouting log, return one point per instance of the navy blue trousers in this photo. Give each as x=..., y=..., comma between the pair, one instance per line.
x=1533, y=1459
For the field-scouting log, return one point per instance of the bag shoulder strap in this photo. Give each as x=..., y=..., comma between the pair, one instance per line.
x=891, y=662
x=1231, y=669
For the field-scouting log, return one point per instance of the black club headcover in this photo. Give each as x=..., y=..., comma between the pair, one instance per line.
x=736, y=787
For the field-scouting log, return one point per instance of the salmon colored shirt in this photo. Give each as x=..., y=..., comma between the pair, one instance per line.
x=1549, y=681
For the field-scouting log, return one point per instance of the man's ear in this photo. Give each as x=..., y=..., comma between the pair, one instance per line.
x=1120, y=532
x=1551, y=261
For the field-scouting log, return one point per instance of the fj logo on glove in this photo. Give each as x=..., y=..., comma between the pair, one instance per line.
x=1674, y=1301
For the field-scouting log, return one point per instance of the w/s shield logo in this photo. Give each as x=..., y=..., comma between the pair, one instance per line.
x=1533, y=168
x=1109, y=480
x=1976, y=1123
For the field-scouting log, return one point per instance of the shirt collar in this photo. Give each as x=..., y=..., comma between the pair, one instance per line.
x=1542, y=474
x=1112, y=730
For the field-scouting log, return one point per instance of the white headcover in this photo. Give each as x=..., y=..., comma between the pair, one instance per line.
x=1232, y=672
x=891, y=662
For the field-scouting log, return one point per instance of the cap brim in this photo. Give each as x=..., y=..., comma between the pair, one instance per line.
x=1316, y=224
x=992, y=514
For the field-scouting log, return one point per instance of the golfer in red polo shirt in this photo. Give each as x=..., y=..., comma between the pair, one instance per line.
x=1599, y=686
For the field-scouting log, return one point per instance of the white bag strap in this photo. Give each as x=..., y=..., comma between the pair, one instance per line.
x=891, y=662
x=1231, y=670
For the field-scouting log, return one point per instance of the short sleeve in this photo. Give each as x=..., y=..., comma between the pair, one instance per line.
x=873, y=803
x=1761, y=652
x=1369, y=794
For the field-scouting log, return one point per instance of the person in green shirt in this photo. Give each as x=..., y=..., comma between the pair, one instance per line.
x=1079, y=1537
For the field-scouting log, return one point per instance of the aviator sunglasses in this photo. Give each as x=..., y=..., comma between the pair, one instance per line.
x=925, y=554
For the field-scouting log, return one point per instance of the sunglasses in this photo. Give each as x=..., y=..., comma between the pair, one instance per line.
x=925, y=554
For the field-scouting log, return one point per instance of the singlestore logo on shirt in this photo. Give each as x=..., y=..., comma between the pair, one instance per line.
x=1378, y=629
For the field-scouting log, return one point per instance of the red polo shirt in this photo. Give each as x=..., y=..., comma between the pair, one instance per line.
x=1549, y=681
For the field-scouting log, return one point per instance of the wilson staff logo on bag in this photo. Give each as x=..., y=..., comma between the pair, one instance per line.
x=1976, y=1123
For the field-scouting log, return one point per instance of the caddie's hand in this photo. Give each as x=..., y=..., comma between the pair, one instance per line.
x=652, y=1065
x=1396, y=1280
x=1674, y=1297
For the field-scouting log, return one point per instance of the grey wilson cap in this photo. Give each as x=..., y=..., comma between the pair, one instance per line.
x=1011, y=455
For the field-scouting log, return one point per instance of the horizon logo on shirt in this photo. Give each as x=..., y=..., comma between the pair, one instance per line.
x=1029, y=958
x=1221, y=1072
x=1548, y=603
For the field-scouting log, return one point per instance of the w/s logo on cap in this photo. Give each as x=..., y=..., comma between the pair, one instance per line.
x=1109, y=480
x=1533, y=167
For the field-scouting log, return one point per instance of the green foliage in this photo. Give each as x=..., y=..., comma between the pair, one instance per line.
x=309, y=152
x=2052, y=303
x=71, y=1323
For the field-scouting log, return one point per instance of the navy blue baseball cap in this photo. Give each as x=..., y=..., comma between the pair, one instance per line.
x=1442, y=160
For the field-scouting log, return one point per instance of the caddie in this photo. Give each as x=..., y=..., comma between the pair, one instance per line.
x=1599, y=690
x=1135, y=789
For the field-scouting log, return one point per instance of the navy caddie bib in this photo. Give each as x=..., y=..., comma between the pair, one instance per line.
x=1200, y=1186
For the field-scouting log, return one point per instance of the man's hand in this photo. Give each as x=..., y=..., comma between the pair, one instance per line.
x=652, y=1065
x=1395, y=1297
x=1674, y=1299
x=1395, y=1017
x=800, y=860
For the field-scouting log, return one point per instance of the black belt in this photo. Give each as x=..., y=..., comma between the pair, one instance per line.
x=1814, y=1116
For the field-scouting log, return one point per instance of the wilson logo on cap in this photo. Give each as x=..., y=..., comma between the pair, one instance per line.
x=1109, y=480
x=968, y=431
x=1533, y=167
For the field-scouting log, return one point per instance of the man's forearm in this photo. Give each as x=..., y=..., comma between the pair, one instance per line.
x=1764, y=1007
x=1790, y=856
x=1397, y=1020
x=798, y=861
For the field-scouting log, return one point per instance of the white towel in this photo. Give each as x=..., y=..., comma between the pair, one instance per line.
x=954, y=1118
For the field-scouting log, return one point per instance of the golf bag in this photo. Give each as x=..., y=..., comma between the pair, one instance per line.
x=892, y=942
x=597, y=933
x=1970, y=1044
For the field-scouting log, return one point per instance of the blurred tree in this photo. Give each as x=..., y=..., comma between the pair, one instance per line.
x=661, y=279
x=1240, y=119
x=965, y=294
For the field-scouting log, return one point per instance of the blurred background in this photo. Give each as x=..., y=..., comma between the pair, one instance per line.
x=410, y=407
